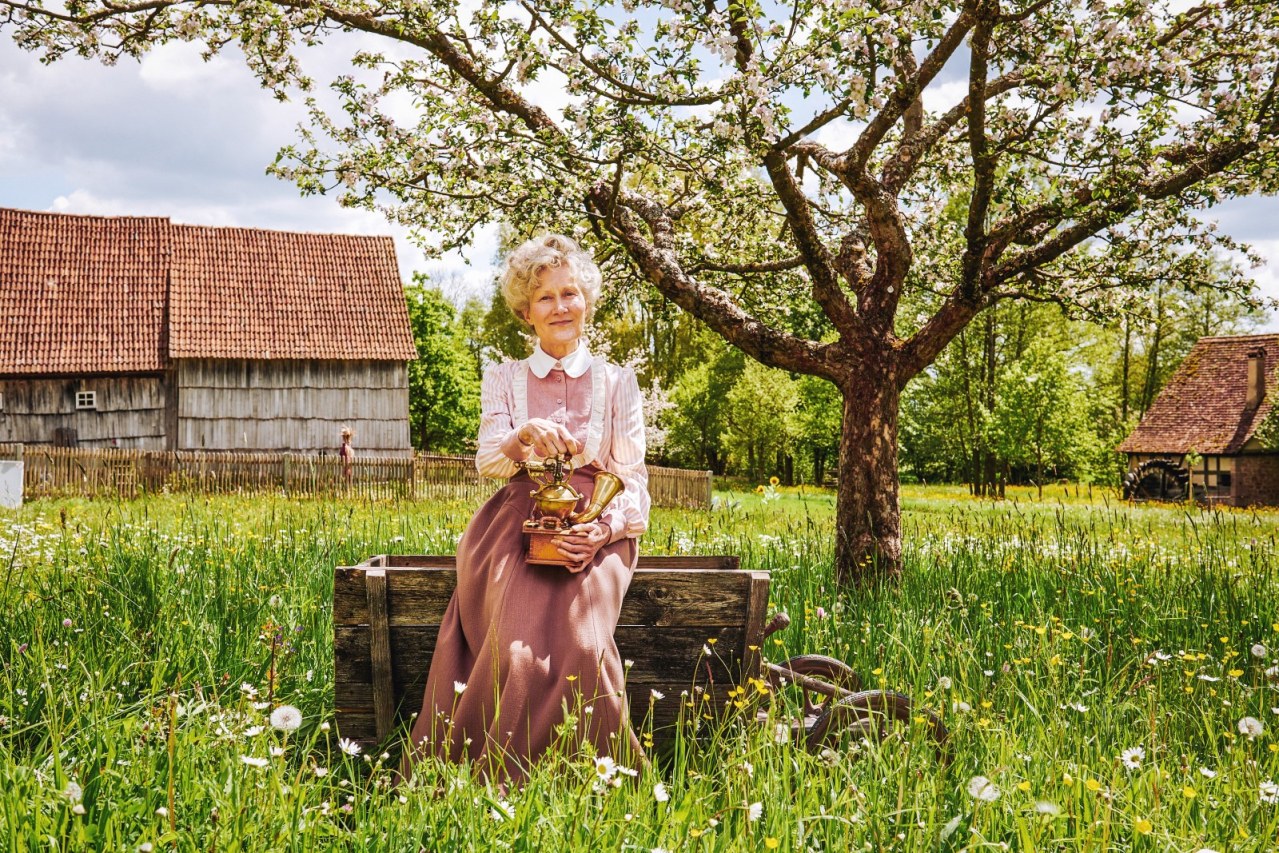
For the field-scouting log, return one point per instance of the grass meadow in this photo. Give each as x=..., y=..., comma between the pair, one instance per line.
x=1107, y=673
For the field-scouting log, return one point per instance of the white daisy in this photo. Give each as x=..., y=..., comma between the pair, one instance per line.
x=1132, y=757
x=458, y=687
x=660, y=793
x=1269, y=792
x=349, y=747
x=254, y=761
x=754, y=811
x=605, y=768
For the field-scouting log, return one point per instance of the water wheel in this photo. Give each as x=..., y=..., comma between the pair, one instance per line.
x=1157, y=480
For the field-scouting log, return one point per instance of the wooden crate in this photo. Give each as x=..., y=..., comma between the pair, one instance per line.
x=387, y=610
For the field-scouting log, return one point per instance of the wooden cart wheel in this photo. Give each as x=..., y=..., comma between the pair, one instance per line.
x=866, y=715
x=821, y=667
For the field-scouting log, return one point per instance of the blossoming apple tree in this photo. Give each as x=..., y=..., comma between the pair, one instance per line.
x=837, y=188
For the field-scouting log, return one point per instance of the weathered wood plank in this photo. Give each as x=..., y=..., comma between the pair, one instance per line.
x=380, y=651
x=646, y=561
x=756, y=613
x=707, y=597
x=660, y=656
x=359, y=723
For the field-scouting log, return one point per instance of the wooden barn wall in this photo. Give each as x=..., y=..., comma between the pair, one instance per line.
x=296, y=406
x=129, y=413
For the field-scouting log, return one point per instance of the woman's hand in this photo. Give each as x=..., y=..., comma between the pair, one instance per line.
x=547, y=438
x=581, y=549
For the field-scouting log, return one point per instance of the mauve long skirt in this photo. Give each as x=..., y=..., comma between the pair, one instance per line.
x=528, y=642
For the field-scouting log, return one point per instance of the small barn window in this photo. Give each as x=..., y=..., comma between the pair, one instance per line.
x=86, y=399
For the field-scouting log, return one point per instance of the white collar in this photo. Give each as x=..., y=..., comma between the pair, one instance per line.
x=574, y=364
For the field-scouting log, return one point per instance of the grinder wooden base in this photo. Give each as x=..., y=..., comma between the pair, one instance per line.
x=541, y=545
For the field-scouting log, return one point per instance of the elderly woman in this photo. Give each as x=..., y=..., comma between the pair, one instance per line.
x=522, y=645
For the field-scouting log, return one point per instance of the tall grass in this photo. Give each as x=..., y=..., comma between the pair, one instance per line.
x=143, y=646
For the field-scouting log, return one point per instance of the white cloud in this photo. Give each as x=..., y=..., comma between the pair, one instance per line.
x=178, y=68
x=941, y=96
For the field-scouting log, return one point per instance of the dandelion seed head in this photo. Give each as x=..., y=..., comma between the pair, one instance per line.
x=286, y=718
x=1251, y=727
x=982, y=789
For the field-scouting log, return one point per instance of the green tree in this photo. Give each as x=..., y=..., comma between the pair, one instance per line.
x=817, y=420
x=1040, y=420
x=780, y=179
x=444, y=398
x=696, y=423
x=759, y=411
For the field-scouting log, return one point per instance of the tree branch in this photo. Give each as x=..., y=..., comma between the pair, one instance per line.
x=790, y=263
x=640, y=96
x=912, y=150
x=908, y=90
x=978, y=145
x=657, y=259
x=817, y=258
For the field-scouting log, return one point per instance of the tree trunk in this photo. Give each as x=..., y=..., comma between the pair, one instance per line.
x=1123, y=384
x=868, y=535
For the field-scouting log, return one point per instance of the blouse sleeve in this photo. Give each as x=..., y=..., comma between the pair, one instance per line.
x=496, y=423
x=627, y=515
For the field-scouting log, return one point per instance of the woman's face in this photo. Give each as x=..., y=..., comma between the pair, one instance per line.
x=557, y=311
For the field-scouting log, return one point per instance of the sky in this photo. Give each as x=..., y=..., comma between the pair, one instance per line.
x=175, y=136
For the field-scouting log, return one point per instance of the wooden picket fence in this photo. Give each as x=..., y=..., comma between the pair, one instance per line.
x=75, y=472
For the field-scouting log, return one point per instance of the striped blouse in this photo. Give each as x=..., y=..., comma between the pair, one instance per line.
x=614, y=434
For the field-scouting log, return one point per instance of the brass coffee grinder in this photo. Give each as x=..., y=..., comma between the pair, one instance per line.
x=553, y=505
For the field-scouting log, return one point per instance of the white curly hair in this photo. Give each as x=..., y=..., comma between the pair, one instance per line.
x=528, y=261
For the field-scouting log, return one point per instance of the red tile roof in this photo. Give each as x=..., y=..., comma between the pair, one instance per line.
x=244, y=293
x=81, y=294
x=1202, y=408
x=87, y=294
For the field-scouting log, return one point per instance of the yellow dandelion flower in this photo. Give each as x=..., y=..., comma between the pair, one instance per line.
x=771, y=843
x=1023, y=785
x=1189, y=793
x=1092, y=785
x=1143, y=826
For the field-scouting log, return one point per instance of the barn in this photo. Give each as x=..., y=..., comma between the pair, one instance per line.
x=1214, y=427
x=137, y=332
